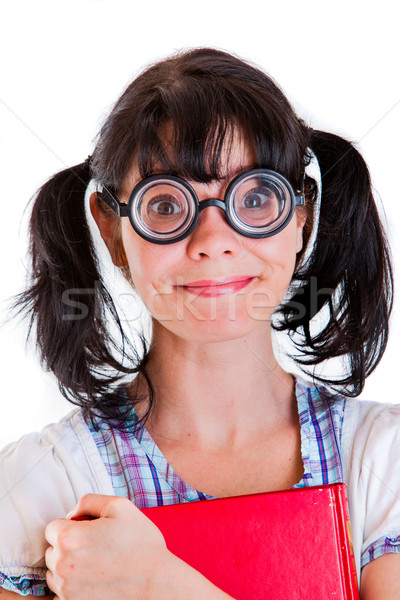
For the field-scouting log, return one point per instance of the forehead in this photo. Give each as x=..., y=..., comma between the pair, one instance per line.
x=236, y=154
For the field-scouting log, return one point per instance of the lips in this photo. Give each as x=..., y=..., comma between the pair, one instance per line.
x=212, y=288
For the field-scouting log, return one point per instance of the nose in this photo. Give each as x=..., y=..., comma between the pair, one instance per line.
x=213, y=237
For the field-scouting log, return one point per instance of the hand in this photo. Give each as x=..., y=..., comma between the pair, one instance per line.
x=112, y=557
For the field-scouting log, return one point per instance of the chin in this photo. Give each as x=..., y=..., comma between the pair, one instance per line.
x=221, y=328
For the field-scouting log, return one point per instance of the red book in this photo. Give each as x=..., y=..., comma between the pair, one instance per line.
x=286, y=545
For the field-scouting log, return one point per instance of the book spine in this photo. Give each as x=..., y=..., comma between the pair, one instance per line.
x=345, y=543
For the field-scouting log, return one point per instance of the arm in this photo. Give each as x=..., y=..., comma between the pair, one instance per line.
x=119, y=555
x=180, y=582
x=380, y=579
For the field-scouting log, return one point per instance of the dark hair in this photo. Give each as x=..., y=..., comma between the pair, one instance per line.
x=202, y=95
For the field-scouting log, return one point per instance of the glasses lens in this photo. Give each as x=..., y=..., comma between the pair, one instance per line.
x=260, y=203
x=163, y=209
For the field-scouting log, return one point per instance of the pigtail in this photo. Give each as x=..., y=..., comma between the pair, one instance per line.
x=67, y=301
x=347, y=280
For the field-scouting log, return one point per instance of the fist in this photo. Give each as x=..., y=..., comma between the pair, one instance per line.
x=105, y=550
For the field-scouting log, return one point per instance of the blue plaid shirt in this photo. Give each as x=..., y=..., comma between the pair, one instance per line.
x=139, y=471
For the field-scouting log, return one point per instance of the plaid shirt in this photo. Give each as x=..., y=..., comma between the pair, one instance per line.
x=139, y=471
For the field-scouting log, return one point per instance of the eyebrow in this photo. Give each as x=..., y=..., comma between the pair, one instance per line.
x=227, y=178
x=230, y=175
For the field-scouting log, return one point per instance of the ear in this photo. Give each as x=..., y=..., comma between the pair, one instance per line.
x=108, y=227
x=300, y=222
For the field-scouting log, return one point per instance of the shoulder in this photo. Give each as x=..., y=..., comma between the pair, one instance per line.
x=368, y=432
x=64, y=449
x=42, y=476
x=371, y=450
x=368, y=436
x=371, y=434
x=371, y=420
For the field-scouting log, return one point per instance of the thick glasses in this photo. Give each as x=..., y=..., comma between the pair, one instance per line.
x=164, y=209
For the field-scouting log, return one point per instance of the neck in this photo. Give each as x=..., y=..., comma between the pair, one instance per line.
x=217, y=391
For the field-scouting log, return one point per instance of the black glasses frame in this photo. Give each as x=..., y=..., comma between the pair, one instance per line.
x=126, y=210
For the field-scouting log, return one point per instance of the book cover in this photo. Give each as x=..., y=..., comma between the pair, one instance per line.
x=285, y=545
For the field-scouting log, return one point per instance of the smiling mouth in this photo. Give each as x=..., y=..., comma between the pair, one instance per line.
x=214, y=288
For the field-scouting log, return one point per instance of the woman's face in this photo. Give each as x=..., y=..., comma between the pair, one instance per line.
x=216, y=284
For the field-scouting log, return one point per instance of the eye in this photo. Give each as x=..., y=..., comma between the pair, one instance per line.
x=259, y=198
x=164, y=205
x=259, y=206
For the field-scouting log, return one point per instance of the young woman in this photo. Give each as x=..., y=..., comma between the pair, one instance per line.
x=203, y=195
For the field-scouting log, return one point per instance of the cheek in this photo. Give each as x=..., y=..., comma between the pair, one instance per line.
x=145, y=264
x=285, y=245
x=277, y=252
x=152, y=266
x=140, y=256
x=278, y=257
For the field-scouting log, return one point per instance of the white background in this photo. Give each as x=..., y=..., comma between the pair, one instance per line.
x=63, y=64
